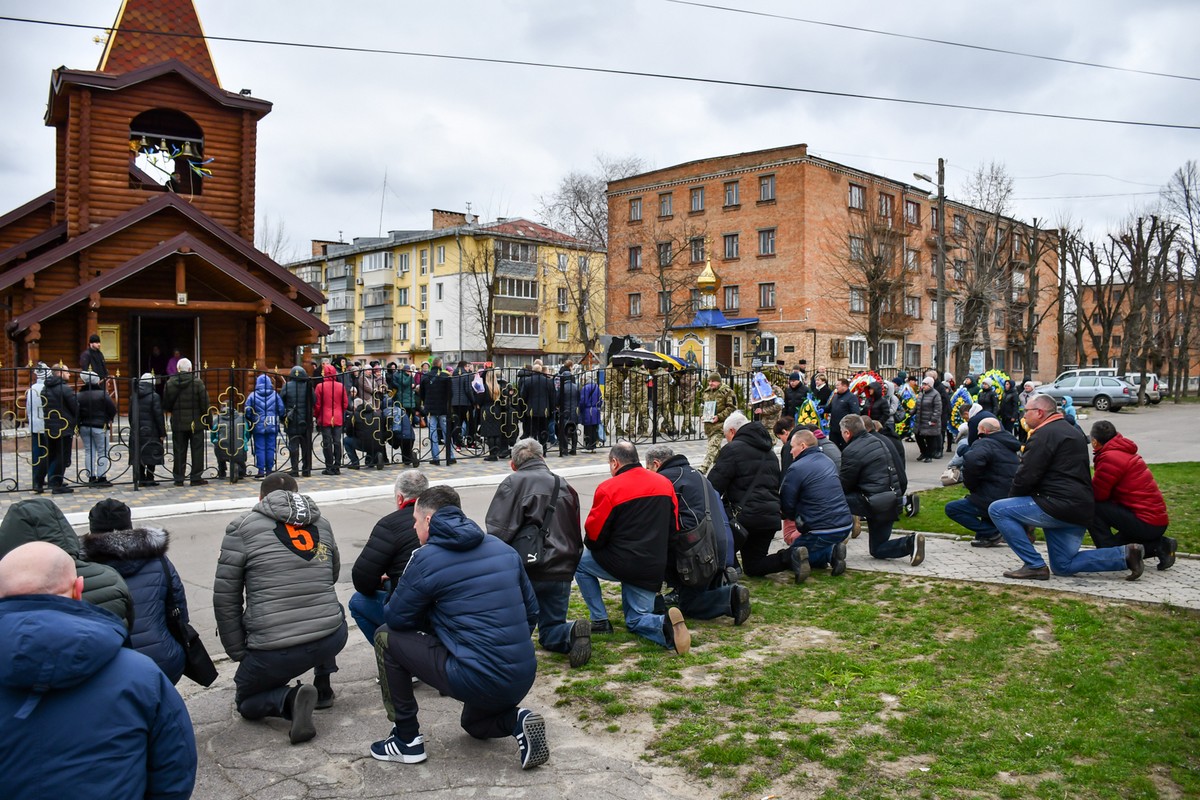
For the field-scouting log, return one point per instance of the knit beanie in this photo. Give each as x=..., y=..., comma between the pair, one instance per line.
x=714, y=376
x=109, y=515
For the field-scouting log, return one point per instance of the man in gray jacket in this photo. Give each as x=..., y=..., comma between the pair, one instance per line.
x=523, y=498
x=281, y=559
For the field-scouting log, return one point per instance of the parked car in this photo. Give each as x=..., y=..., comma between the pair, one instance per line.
x=1078, y=372
x=1154, y=389
x=1102, y=391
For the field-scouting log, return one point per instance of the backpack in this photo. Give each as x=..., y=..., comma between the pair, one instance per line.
x=695, y=550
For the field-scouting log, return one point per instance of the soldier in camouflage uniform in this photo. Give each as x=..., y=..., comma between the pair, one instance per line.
x=686, y=396
x=614, y=401
x=639, y=404
x=664, y=396
x=724, y=403
x=768, y=411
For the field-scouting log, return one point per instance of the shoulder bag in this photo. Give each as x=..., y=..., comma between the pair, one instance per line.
x=197, y=665
x=530, y=539
x=695, y=550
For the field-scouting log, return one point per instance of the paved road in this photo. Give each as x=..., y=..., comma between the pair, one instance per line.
x=241, y=759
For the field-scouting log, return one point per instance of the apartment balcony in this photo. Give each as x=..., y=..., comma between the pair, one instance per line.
x=339, y=315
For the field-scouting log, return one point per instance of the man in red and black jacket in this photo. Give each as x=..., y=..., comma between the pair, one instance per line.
x=633, y=515
x=1129, y=505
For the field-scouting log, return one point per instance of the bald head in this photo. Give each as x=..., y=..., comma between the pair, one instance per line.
x=1043, y=402
x=989, y=425
x=39, y=568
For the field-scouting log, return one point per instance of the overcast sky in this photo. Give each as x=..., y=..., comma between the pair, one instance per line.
x=448, y=133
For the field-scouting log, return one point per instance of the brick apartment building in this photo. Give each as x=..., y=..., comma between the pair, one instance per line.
x=790, y=236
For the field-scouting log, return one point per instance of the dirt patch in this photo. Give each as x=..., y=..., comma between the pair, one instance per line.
x=1045, y=638
x=1167, y=789
x=772, y=640
x=958, y=635
x=891, y=707
x=1027, y=780
x=703, y=675
x=816, y=717
x=902, y=766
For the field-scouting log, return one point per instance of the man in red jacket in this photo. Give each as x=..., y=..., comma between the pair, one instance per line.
x=632, y=517
x=330, y=411
x=1129, y=505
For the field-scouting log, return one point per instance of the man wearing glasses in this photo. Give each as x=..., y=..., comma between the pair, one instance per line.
x=1052, y=490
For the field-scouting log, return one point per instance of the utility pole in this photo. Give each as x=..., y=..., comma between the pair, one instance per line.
x=941, y=268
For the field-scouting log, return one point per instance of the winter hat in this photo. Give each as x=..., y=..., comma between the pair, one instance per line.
x=41, y=371
x=900, y=378
x=146, y=378
x=795, y=376
x=184, y=365
x=94, y=338
x=109, y=515
x=714, y=376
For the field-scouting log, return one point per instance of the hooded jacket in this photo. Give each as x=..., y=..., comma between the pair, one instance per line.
x=590, y=403
x=331, y=399
x=524, y=496
x=1122, y=477
x=275, y=577
x=875, y=404
x=746, y=474
x=140, y=556
x=264, y=408
x=568, y=398
x=929, y=413
x=298, y=400
x=471, y=591
x=406, y=391
x=40, y=520
x=187, y=400
x=60, y=410
x=151, y=427
x=80, y=715
x=989, y=466
x=1055, y=472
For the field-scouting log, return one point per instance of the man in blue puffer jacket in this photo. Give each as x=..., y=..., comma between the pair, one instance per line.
x=264, y=410
x=80, y=715
x=460, y=620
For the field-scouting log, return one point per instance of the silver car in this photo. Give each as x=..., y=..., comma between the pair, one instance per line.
x=1104, y=392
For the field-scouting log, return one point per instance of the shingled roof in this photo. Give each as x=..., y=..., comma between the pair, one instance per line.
x=152, y=31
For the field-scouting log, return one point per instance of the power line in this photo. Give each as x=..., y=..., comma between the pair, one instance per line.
x=1083, y=175
x=624, y=72
x=1087, y=196
x=931, y=40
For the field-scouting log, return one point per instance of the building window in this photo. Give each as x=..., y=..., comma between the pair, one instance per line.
x=338, y=302
x=584, y=265
x=403, y=328
x=999, y=317
x=1116, y=340
x=372, y=262
x=438, y=328
x=517, y=251
x=858, y=300
x=912, y=259
x=766, y=188
x=912, y=306
x=933, y=311
x=858, y=197
x=697, y=198
x=885, y=206
x=858, y=352
x=516, y=325
x=737, y=351
x=887, y=354
x=377, y=296
x=960, y=224
x=766, y=242
x=635, y=258
x=562, y=299
x=694, y=300
x=403, y=262
x=665, y=254
x=635, y=209
x=933, y=218
x=998, y=360
x=912, y=212
x=635, y=304
x=912, y=356
x=402, y=296
x=423, y=331
x=439, y=291
x=958, y=313
x=664, y=303
x=562, y=331
x=424, y=261
x=731, y=193
x=731, y=246
x=766, y=295
x=424, y=297
x=564, y=261
x=664, y=204
x=732, y=300
x=697, y=249
x=858, y=248
x=515, y=287
x=960, y=269
x=441, y=254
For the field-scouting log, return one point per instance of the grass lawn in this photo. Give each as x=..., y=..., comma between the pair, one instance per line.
x=876, y=686
x=1180, y=484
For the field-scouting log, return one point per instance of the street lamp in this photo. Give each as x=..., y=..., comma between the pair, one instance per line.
x=940, y=264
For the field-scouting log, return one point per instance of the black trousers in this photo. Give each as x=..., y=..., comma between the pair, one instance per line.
x=880, y=543
x=181, y=442
x=300, y=448
x=262, y=676
x=755, y=559
x=568, y=437
x=401, y=655
x=930, y=446
x=539, y=428
x=331, y=445
x=1110, y=517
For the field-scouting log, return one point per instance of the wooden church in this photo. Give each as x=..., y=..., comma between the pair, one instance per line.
x=147, y=237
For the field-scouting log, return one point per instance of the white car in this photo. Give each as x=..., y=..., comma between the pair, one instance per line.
x=1154, y=389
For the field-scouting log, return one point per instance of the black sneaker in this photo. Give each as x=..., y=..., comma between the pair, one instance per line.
x=200, y=482
x=1166, y=552
x=392, y=749
x=530, y=734
x=675, y=632
x=912, y=505
x=739, y=603
x=837, y=561
x=581, y=643
x=994, y=541
x=602, y=626
x=798, y=561
x=303, y=703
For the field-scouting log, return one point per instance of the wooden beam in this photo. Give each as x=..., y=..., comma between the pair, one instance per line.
x=260, y=341
x=193, y=305
x=180, y=276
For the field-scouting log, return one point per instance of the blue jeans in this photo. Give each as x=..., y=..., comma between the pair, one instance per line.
x=636, y=602
x=95, y=448
x=39, y=457
x=820, y=546
x=439, y=426
x=554, y=632
x=967, y=514
x=705, y=603
x=1011, y=515
x=367, y=612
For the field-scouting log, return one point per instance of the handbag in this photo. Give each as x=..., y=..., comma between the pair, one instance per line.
x=696, y=550
x=951, y=476
x=530, y=539
x=197, y=664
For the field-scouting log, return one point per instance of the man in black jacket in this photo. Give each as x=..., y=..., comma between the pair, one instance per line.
x=871, y=483
x=987, y=470
x=523, y=498
x=93, y=358
x=60, y=410
x=435, y=396
x=718, y=598
x=1052, y=490
x=298, y=407
x=538, y=393
x=842, y=403
x=385, y=555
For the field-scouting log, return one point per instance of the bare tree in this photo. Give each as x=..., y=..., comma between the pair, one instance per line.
x=578, y=206
x=1140, y=254
x=480, y=285
x=679, y=254
x=1181, y=203
x=867, y=256
x=1031, y=301
x=581, y=276
x=271, y=237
